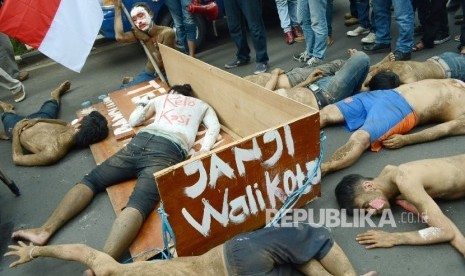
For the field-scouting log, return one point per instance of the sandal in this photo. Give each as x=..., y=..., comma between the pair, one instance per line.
x=418, y=47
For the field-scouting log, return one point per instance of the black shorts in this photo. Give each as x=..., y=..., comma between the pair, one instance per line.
x=275, y=250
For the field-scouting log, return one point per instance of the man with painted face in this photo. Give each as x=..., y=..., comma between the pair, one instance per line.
x=146, y=31
x=415, y=185
x=157, y=146
x=46, y=137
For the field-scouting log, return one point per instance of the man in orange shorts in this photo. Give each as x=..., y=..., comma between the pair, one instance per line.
x=380, y=118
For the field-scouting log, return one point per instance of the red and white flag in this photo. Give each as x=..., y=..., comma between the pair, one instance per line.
x=64, y=30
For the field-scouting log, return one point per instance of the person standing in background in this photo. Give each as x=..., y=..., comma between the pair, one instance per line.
x=239, y=13
x=404, y=16
x=10, y=75
x=312, y=17
x=186, y=31
x=287, y=11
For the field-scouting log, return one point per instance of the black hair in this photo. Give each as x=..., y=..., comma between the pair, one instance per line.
x=184, y=89
x=346, y=191
x=384, y=80
x=93, y=129
x=143, y=5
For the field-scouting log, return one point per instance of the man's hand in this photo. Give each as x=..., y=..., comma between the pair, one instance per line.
x=375, y=238
x=22, y=251
x=28, y=123
x=395, y=141
x=140, y=34
x=143, y=101
x=200, y=152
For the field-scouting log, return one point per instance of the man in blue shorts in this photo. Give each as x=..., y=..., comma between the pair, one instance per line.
x=295, y=250
x=380, y=118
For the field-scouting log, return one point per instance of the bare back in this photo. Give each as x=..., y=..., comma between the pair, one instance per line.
x=442, y=178
x=435, y=100
x=412, y=71
x=46, y=136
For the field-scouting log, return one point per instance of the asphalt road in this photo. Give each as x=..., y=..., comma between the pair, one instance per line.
x=43, y=187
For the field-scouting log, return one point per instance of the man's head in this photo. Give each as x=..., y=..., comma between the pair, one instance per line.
x=358, y=192
x=141, y=14
x=184, y=89
x=93, y=128
x=384, y=80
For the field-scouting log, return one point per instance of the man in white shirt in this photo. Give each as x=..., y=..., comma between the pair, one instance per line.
x=157, y=146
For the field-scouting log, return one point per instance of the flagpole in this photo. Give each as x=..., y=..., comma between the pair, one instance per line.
x=151, y=58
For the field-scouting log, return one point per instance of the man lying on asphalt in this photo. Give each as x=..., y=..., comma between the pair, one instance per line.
x=46, y=137
x=418, y=183
x=380, y=118
x=157, y=146
x=297, y=249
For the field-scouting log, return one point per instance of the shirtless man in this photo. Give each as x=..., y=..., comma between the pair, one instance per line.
x=147, y=32
x=380, y=118
x=418, y=183
x=327, y=83
x=157, y=146
x=446, y=65
x=47, y=138
x=282, y=250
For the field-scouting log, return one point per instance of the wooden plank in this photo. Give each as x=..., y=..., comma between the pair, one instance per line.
x=150, y=235
x=212, y=198
x=242, y=106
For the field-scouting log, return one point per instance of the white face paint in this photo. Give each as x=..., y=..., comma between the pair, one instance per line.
x=141, y=18
x=429, y=233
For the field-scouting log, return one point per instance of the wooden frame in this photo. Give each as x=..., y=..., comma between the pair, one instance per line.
x=278, y=144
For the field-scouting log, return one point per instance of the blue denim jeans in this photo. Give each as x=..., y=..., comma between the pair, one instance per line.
x=240, y=12
x=48, y=110
x=329, y=16
x=275, y=250
x=353, y=8
x=143, y=156
x=183, y=21
x=363, y=10
x=453, y=64
x=287, y=11
x=143, y=76
x=347, y=81
x=312, y=17
x=404, y=16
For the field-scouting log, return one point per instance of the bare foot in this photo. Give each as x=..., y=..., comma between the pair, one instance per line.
x=462, y=50
x=352, y=52
x=391, y=56
x=88, y=272
x=371, y=273
x=57, y=93
x=6, y=107
x=37, y=236
x=388, y=58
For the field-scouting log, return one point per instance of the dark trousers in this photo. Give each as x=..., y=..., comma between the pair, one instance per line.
x=436, y=20
x=462, y=28
x=143, y=156
x=243, y=13
x=49, y=110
